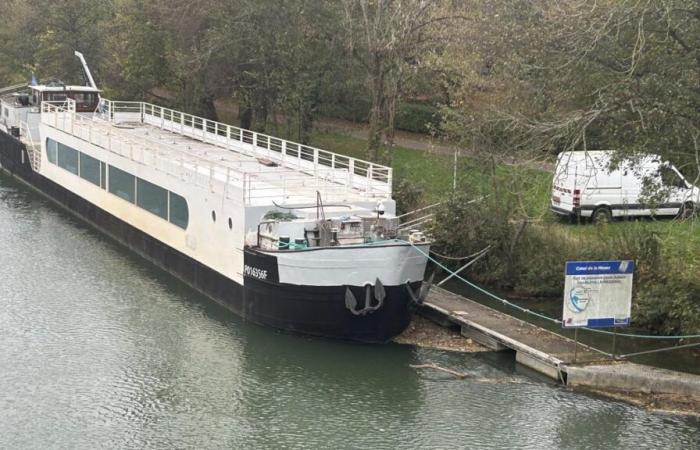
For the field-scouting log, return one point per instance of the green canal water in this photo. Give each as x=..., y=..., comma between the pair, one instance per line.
x=99, y=349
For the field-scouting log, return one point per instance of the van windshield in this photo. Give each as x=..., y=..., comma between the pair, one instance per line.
x=670, y=178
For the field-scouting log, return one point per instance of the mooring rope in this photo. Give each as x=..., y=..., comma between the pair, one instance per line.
x=534, y=313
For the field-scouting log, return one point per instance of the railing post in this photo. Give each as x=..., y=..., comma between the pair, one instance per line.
x=351, y=170
x=369, y=176
x=316, y=162
x=228, y=180
x=211, y=177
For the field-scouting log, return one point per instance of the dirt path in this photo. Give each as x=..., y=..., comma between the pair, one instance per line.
x=414, y=141
x=228, y=112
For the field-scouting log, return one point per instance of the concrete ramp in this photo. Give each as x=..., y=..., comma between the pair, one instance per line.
x=552, y=354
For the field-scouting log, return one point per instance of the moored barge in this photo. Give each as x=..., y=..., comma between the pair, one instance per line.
x=284, y=234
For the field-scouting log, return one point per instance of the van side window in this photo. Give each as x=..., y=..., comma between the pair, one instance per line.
x=670, y=178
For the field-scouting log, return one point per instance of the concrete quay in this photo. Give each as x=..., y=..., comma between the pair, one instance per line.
x=558, y=357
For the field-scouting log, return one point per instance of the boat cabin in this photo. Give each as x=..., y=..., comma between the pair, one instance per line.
x=86, y=97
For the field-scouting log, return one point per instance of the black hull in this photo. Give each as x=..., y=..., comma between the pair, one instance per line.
x=313, y=310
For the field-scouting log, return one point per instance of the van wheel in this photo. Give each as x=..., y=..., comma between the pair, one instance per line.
x=602, y=214
x=687, y=211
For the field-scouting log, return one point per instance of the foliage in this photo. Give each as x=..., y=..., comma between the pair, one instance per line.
x=546, y=76
x=517, y=80
x=408, y=195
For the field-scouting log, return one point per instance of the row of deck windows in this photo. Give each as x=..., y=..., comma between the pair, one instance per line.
x=154, y=199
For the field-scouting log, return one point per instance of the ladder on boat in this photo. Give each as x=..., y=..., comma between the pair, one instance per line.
x=33, y=149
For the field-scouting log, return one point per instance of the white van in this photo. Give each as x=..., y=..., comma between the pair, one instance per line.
x=584, y=186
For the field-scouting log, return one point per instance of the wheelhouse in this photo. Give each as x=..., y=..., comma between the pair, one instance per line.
x=86, y=97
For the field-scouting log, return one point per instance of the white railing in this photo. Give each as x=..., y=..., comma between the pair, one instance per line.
x=186, y=166
x=261, y=185
x=34, y=149
x=371, y=178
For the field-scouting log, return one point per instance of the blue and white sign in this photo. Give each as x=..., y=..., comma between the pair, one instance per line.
x=598, y=294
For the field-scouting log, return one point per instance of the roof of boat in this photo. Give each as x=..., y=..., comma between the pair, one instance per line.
x=64, y=88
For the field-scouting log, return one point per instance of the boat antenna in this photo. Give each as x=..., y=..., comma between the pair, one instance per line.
x=86, y=69
x=319, y=207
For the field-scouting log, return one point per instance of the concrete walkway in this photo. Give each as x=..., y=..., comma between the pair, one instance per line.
x=537, y=348
x=555, y=356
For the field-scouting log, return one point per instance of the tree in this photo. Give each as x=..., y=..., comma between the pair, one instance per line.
x=613, y=74
x=137, y=62
x=389, y=38
x=51, y=31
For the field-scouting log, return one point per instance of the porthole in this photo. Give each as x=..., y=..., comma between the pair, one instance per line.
x=230, y=224
x=213, y=215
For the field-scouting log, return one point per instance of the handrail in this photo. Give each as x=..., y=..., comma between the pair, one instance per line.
x=258, y=184
x=11, y=89
x=281, y=151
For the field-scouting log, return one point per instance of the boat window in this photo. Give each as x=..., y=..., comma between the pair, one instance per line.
x=84, y=98
x=103, y=175
x=90, y=169
x=179, y=213
x=68, y=158
x=51, y=150
x=152, y=198
x=122, y=184
x=146, y=195
x=57, y=97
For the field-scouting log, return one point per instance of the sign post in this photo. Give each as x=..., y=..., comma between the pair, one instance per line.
x=598, y=294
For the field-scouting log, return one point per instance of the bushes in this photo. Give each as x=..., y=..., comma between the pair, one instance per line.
x=528, y=258
x=671, y=306
x=408, y=195
x=414, y=117
x=418, y=118
x=355, y=109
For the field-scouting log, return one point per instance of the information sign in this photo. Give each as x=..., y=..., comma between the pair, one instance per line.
x=598, y=294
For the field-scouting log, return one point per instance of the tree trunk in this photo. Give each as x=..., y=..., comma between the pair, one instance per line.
x=376, y=115
x=245, y=115
x=207, y=109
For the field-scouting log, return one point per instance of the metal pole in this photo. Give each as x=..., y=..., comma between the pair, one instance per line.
x=575, y=343
x=454, y=173
x=613, y=341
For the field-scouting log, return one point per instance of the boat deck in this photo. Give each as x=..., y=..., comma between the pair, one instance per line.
x=227, y=159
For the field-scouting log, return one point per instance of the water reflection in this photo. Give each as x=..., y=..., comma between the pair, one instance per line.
x=100, y=349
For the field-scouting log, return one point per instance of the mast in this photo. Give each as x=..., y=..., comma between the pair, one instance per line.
x=86, y=68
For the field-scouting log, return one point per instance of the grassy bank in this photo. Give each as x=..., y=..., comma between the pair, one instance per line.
x=433, y=173
x=527, y=259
